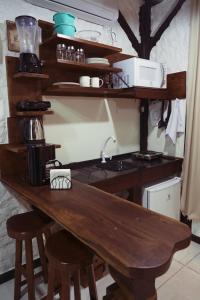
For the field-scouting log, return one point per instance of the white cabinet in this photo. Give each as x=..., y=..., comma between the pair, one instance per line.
x=164, y=197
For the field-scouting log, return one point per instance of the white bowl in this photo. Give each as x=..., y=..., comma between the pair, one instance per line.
x=91, y=35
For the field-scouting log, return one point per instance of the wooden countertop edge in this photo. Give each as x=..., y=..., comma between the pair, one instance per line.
x=126, y=270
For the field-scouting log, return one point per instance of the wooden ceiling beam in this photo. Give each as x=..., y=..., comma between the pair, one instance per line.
x=128, y=31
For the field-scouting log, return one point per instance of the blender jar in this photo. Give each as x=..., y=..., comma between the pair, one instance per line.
x=27, y=30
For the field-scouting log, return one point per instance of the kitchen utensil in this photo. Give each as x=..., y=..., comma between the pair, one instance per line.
x=96, y=82
x=147, y=155
x=91, y=35
x=161, y=123
x=97, y=60
x=60, y=179
x=27, y=28
x=109, y=36
x=65, y=29
x=27, y=105
x=64, y=18
x=41, y=158
x=66, y=84
x=60, y=51
x=80, y=55
x=84, y=81
x=33, y=131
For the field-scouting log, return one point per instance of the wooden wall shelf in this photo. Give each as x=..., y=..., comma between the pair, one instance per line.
x=134, y=92
x=90, y=48
x=33, y=113
x=21, y=148
x=80, y=91
x=70, y=65
x=31, y=75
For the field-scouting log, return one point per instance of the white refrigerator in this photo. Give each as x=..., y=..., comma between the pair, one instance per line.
x=164, y=197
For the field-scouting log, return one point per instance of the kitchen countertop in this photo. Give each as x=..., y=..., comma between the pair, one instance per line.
x=137, y=243
x=141, y=173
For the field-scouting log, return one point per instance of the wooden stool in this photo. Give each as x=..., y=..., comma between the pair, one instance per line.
x=66, y=255
x=25, y=227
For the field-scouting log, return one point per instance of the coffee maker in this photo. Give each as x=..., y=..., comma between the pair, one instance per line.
x=27, y=29
x=41, y=158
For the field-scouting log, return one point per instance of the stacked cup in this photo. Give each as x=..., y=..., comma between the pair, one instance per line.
x=64, y=23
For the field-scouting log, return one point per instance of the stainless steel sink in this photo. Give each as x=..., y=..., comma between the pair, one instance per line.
x=116, y=165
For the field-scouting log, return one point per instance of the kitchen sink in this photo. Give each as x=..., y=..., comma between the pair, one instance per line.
x=116, y=165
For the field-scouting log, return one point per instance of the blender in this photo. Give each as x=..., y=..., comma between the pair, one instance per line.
x=27, y=28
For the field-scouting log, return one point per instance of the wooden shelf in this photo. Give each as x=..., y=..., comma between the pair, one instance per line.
x=31, y=75
x=21, y=148
x=176, y=89
x=79, y=91
x=118, y=57
x=90, y=48
x=70, y=65
x=144, y=93
x=33, y=113
x=134, y=92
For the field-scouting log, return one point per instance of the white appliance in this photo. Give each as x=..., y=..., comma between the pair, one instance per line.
x=89, y=10
x=140, y=72
x=164, y=197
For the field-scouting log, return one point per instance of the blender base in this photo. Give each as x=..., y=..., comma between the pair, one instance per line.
x=29, y=62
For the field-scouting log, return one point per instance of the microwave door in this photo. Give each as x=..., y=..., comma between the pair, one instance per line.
x=147, y=76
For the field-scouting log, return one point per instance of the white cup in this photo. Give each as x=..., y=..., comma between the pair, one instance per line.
x=96, y=82
x=84, y=81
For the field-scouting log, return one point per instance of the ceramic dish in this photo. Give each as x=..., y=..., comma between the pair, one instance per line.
x=66, y=84
x=91, y=35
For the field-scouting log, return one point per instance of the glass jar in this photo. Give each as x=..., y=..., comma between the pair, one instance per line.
x=70, y=53
x=80, y=56
x=60, y=51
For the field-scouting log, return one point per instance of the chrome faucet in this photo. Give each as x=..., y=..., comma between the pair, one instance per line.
x=103, y=153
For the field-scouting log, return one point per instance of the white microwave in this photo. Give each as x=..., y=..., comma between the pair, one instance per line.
x=139, y=72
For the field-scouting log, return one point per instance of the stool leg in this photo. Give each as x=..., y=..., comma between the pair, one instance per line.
x=65, y=285
x=43, y=259
x=76, y=278
x=18, y=263
x=92, y=282
x=51, y=279
x=30, y=269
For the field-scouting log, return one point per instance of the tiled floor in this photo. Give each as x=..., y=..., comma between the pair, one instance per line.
x=181, y=282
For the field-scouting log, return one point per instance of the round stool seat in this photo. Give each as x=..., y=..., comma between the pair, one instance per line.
x=66, y=249
x=27, y=225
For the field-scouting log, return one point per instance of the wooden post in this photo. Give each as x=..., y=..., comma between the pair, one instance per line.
x=144, y=50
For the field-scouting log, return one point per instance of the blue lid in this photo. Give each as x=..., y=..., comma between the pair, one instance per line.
x=64, y=12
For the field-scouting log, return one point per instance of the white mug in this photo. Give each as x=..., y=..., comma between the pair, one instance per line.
x=96, y=82
x=84, y=81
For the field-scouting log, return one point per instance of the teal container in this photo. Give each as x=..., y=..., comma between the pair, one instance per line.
x=63, y=18
x=65, y=29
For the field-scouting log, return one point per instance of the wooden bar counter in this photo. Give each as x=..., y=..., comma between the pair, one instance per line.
x=137, y=244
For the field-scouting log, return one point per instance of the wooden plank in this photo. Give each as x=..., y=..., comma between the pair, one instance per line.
x=90, y=48
x=118, y=57
x=80, y=91
x=31, y=75
x=21, y=148
x=12, y=36
x=120, y=232
x=85, y=67
x=176, y=84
